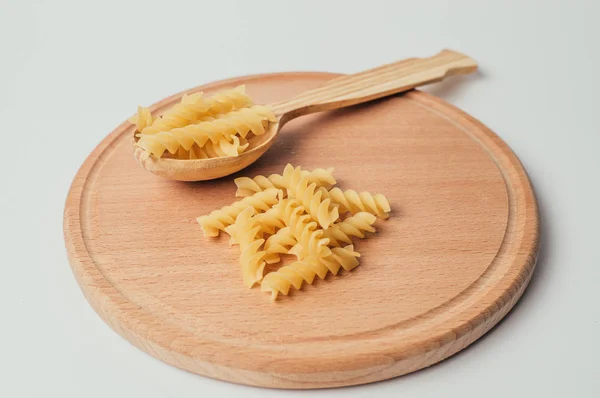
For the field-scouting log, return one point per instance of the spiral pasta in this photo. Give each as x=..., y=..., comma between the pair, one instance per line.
x=296, y=212
x=244, y=233
x=210, y=150
x=355, y=202
x=308, y=235
x=321, y=209
x=195, y=106
x=305, y=270
x=355, y=225
x=142, y=119
x=248, y=186
x=252, y=262
x=195, y=152
x=217, y=220
x=226, y=148
x=270, y=221
x=244, y=229
x=266, y=223
x=226, y=126
x=279, y=243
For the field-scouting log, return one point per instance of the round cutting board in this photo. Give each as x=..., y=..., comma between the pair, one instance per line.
x=455, y=256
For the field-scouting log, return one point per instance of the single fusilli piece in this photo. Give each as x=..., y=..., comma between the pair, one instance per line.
x=248, y=186
x=355, y=202
x=225, y=126
x=322, y=177
x=306, y=232
x=252, y=262
x=321, y=209
x=218, y=220
x=355, y=225
x=244, y=232
x=305, y=270
x=195, y=106
x=142, y=119
x=279, y=243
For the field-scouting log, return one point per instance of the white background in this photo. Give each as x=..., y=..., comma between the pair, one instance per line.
x=70, y=71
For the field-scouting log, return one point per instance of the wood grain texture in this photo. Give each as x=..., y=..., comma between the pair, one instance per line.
x=452, y=260
x=337, y=93
x=376, y=83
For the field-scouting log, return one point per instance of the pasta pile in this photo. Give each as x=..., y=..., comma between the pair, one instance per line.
x=201, y=127
x=301, y=213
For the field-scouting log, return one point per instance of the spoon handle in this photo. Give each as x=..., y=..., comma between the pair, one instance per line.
x=376, y=83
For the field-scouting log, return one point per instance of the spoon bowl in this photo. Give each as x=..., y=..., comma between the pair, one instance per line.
x=341, y=92
x=207, y=169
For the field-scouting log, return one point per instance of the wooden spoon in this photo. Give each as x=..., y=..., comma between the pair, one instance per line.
x=338, y=93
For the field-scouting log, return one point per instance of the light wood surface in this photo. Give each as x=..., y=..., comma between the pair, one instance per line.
x=341, y=92
x=455, y=256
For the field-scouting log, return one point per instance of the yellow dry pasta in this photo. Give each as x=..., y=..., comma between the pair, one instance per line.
x=248, y=186
x=295, y=274
x=353, y=226
x=226, y=148
x=355, y=202
x=308, y=235
x=195, y=106
x=241, y=222
x=267, y=223
x=270, y=221
x=244, y=232
x=252, y=262
x=297, y=213
x=142, y=119
x=210, y=150
x=195, y=152
x=279, y=243
x=226, y=126
x=218, y=220
x=244, y=229
x=321, y=209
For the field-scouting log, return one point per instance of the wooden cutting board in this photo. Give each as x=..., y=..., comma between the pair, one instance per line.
x=455, y=256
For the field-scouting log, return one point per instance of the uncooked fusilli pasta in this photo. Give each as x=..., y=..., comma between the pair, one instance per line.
x=195, y=106
x=279, y=243
x=223, y=127
x=270, y=221
x=355, y=202
x=219, y=219
x=195, y=152
x=245, y=229
x=252, y=262
x=305, y=270
x=226, y=148
x=244, y=232
x=353, y=226
x=321, y=209
x=201, y=127
x=308, y=235
x=210, y=150
x=266, y=224
x=142, y=119
x=248, y=186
